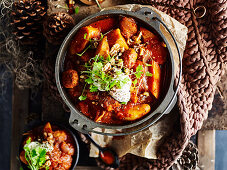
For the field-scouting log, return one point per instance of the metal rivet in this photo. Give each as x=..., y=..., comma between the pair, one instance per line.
x=75, y=121
x=84, y=126
x=147, y=13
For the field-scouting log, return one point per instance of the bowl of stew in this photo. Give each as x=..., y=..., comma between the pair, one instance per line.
x=49, y=146
x=115, y=70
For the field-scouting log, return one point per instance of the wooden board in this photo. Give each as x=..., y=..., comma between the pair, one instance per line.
x=20, y=111
x=206, y=147
x=217, y=118
x=87, y=168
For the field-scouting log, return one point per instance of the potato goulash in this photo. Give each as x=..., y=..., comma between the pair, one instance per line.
x=113, y=70
x=47, y=148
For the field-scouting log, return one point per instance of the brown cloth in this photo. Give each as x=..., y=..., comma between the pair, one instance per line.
x=205, y=57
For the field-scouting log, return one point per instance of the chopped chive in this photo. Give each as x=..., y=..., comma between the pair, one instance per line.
x=76, y=10
x=149, y=74
x=148, y=64
x=81, y=98
x=83, y=51
x=85, y=36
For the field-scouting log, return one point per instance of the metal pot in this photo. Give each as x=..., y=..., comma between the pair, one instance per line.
x=80, y=122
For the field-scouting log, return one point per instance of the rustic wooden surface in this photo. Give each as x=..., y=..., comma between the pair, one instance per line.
x=206, y=148
x=87, y=168
x=52, y=110
x=218, y=114
x=20, y=110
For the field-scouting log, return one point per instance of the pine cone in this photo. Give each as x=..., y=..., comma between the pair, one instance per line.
x=57, y=26
x=189, y=158
x=27, y=21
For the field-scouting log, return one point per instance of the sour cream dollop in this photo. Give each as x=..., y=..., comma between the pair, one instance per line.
x=122, y=94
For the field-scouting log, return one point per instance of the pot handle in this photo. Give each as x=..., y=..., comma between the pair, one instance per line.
x=78, y=124
x=153, y=16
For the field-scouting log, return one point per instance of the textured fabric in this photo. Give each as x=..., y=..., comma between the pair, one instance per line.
x=205, y=56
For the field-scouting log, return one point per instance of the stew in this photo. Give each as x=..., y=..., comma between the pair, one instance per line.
x=114, y=70
x=48, y=147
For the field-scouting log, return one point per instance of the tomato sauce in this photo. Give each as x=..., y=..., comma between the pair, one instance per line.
x=107, y=157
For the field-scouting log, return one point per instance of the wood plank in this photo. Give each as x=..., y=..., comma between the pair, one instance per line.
x=217, y=117
x=20, y=109
x=87, y=168
x=52, y=109
x=206, y=147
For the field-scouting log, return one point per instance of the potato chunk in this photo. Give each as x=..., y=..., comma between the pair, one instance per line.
x=47, y=128
x=154, y=82
x=22, y=157
x=105, y=25
x=103, y=48
x=70, y=78
x=147, y=35
x=129, y=58
x=134, y=112
x=115, y=37
x=128, y=27
x=82, y=37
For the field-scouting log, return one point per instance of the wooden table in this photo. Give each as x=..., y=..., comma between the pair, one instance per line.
x=44, y=107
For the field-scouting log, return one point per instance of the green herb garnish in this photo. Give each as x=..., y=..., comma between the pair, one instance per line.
x=93, y=88
x=76, y=10
x=35, y=154
x=92, y=40
x=108, y=58
x=134, y=82
x=85, y=36
x=83, y=51
x=101, y=75
x=149, y=74
x=82, y=98
x=148, y=64
x=101, y=36
x=139, y=71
